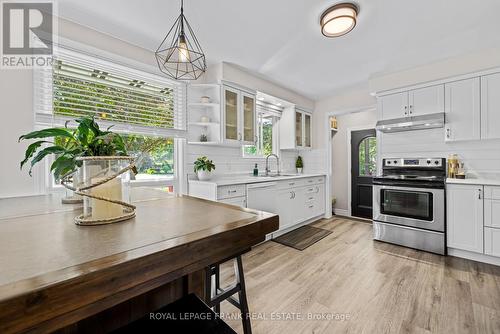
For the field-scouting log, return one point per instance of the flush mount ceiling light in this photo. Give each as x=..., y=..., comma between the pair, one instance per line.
x=180, y=55
x=339, y=19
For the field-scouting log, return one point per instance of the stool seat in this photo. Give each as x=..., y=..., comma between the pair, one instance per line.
x=186, y=315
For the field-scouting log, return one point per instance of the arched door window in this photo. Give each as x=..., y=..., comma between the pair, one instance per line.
x=367, y=156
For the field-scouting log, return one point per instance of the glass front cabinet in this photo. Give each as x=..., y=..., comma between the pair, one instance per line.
x=296, y=129
x=239, y=116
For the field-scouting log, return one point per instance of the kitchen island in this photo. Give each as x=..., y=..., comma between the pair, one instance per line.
x=57, y=275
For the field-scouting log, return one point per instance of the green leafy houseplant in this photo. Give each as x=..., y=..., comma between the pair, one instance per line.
x=69, y=144
x=202, y=167
x=299, y=163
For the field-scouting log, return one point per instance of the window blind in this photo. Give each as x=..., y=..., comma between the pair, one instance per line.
x=132, y=100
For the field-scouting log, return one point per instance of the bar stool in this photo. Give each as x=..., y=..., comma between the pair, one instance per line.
x=216, y=295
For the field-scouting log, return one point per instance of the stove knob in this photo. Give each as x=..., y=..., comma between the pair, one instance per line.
x=436, y=162
x=428, y=162
x=388, y=162
x=395, y=161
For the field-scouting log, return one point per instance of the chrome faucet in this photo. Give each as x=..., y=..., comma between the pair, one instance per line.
x=277, y=163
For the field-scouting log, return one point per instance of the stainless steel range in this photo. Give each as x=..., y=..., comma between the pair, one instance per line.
x=409, y=203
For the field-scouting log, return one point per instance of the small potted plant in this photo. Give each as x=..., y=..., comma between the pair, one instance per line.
x=299, y=164
x=98, y=157
x=203, y=168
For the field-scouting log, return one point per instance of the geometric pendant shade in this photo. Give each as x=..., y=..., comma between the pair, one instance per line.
x=180, y=55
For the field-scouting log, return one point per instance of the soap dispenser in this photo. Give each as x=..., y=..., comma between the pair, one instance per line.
x=255, y=171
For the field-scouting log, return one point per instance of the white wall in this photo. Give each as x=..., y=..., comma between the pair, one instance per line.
x=352, y=100
x=16, y=103
x=467, y=63
x=340, y=148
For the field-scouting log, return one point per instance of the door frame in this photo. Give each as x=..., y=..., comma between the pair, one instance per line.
x=349, y=160
x=328, y=140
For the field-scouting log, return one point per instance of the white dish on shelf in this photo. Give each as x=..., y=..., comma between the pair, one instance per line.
x=205, y=99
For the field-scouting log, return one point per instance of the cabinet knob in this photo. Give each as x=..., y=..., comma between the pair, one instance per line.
x=406, y=110
x=411, y=109
x=479, y=193
x=448, y=133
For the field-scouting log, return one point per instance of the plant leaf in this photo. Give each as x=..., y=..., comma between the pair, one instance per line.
x=43, y=153
x=31, y=150
x=63, y=165
x=45, y=133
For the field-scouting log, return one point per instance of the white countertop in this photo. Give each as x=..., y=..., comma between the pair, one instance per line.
x=479, y=181
x=244, y=179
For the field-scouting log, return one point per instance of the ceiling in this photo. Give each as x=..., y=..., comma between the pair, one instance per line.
x=281, y=39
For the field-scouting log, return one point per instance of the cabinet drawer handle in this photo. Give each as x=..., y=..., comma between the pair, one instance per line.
x=291, y=183
x=317, y=190
x=310, y=181
x=310, y=189
x=311, y=198
x=231, y=191
x=311, y=206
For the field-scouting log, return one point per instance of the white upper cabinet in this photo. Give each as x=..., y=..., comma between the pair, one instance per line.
x=239, y=116
x=416, y=102
x=393, y=105
x=427, y=100
x=295, y=129
x=490, y=106
x=465, y=217
x=463, y=110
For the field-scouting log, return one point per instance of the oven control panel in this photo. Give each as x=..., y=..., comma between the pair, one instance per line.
x=414, y=162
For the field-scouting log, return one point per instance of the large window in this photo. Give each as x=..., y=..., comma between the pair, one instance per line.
x=148, y=110
x=264, y=144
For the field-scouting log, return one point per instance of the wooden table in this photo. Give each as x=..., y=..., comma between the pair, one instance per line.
x=56, y=275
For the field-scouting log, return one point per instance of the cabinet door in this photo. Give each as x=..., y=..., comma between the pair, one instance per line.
x=463, y=110
x=307, y=130
x=393, y=105
x=249, y=118
x=320, y=200
x=492, y=241
x=490, y=106
x=284, y=206
x=465, y=217
x=231, y=119
x=298, y=128
x=428, y=100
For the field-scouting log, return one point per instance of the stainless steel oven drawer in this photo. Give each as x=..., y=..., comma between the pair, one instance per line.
x=410, y=237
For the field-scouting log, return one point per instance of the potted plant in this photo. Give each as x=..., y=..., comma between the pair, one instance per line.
x=98, y=157
x=203, y=168
x=299, y=164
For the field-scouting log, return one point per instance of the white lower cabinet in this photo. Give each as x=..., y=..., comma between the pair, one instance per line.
x=465, y=217
x=295, y=200
x=492, y=241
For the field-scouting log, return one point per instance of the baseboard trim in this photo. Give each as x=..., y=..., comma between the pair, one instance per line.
x=474, y=256
x=342, y=212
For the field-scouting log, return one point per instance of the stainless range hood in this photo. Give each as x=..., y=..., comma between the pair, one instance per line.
x=430, y=121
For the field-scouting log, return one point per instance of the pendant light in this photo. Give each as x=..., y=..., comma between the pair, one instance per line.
x=180, y=55
x=339, y=19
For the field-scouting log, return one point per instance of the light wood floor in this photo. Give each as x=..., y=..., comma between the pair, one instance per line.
x=381, y=288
